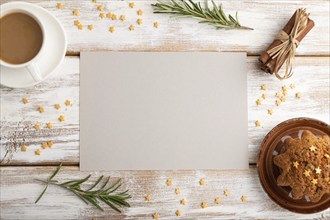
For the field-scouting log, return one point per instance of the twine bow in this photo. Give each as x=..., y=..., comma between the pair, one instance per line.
x=285, y=52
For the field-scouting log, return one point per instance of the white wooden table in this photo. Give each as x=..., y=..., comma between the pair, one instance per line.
x=19, y=169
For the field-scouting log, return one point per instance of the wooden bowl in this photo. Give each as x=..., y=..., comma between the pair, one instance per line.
x=268, y=171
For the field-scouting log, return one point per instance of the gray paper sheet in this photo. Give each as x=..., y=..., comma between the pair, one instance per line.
x=163, y=110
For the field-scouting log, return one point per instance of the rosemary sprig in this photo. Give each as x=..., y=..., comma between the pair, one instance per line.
x=91, y=195
x=187, y=8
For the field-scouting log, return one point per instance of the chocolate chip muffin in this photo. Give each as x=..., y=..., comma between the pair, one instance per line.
x=305, y=166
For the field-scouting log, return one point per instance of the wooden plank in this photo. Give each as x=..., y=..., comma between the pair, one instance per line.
x=19, y=190
x=312, y=78
x=266, y=17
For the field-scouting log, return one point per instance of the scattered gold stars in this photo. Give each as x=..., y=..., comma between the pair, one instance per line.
x=122, y=17
x=292, y=85
x=41, y=109
x=139, y=21
x=57, y=106
x=131, y=4
x=68, y=102
x=148, y=198
x=100, y=7
x=217, y=200
x=112, y=29
x=296, y=164
x=312, y=148
x=177, y=191
x=326, y=156
x=226, y=192
x=49, y=125
x=38, y=152
x=314, y=181
x=202, y=181
x=270, y=111
x=257, y=123
x=264, y=87
x=169, y=182
x=131, y=28
x=102, y=15
x=318, y=170
x=258, y=102
x=156, y=25
x=50, y=144
x=76, y=22
x=23, y=148
x=25, y=100
x=44, y=145
x=243, y=198
x=178, y=213
x=155, y=215
x=183, y=201
x=298, y=95
x=94, y=1
x=140, y=12
x=76, y=12
x=278, y=95
x=37, y=126
x=113, y=17
x=61, y=118
x=59, y=5
x=80, y=26
x=90, y=27
x=283, y=99
x=204, y=205
x=307, y=173
x=284, y=88
x=109, y=15
x=278, y=102
x=284, y=92
x=264, y=96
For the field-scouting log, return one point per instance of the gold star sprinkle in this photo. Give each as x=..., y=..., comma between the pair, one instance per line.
x=217, y=200
x=100, y=7
x=243, y=198
x=202, y=182
x=139, y=21
x=37, y=126
x=59, y=5
x=44, y=145
x=80, y=26
x=68, y=102
x=258, y=102
x=169, y=182
x=226, y=192
x=264, y=96
x=109, y=15
x=283, y=99
x=278, y=95
x=112, y=29
x=76, y=22
x=122, y=17
x=94, y=1
x=298, y=95
x=23, y=148
x=257, y=123
x=148, y=198
x=102, y=15
x=296, y=164
x=76, y=12
x=25, y=100
x=50, y=144
x=326, y=156
x=57, y=106
x=307, y=173
x=270, y=111
x=292, y=85
x=140, y=12
x=314, y=181
x=131, y=4
x=156, y=25
x=49, y=125
x=61, y=118
x=203, y=205
x=284, y=92
x=318, y=170
x=131, y=28
x=90, y=27
x=41, y=109
x=312, y=148
x=177, y=191
x=155, y=215
x=264, y=87
x=278, y=102
x=178, y=213
x=284, y=88
x=38, y=152
x=183, y=201
x=113, y=17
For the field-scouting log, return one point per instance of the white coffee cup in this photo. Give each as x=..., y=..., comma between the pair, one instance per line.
x=31, y=65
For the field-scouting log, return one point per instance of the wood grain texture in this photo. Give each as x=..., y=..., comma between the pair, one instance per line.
x=311, y=77
x=266, y=17
x=18, y=203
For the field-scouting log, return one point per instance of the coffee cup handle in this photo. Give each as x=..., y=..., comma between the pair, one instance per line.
x=34, y=71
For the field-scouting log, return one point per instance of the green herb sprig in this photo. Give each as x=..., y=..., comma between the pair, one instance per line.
x=91, y=195
x=187, y=8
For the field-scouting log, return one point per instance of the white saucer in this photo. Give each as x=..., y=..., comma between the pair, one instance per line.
x=52, y=56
